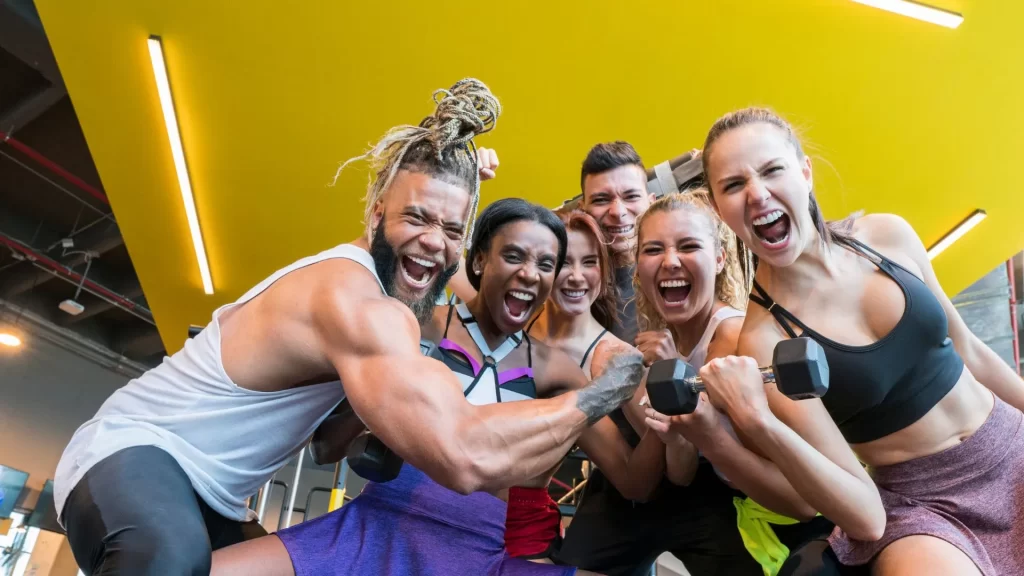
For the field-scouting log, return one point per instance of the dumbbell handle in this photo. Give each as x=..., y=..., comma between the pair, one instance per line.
x=697, y=384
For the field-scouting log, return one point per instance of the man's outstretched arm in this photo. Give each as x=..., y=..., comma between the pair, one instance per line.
x=415, y=404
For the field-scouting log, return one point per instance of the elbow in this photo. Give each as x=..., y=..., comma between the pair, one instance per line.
x=868, y=523
x=457, y=469
x=683, y=480
x=462, y=477
x=869, y=529
x=637, y=494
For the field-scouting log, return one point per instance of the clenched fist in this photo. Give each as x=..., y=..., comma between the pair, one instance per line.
x=487, y=163
x=656, y=345
x=734, y=384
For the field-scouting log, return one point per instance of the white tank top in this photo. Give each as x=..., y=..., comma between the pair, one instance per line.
x=227, y=439
x=698, y=356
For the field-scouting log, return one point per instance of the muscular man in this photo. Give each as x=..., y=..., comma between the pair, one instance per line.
x=159, y=477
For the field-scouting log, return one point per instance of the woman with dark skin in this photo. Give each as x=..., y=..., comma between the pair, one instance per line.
x=512, y=264
x=575, y=319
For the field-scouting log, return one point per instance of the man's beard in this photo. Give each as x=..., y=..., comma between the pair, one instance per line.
x=386, y=260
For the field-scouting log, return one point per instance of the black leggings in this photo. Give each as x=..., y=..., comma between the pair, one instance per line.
x=136, y=513
x=613, y=536
x=697, y=524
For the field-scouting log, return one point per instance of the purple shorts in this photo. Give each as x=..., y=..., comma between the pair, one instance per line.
x=970, y=495
x=411, y=525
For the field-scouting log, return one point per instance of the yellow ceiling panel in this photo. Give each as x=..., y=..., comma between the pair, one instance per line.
x=901, y=116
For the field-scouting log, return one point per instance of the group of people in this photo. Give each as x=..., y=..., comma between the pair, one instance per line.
x=912, y=463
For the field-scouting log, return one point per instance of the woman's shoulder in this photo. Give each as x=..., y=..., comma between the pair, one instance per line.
x=893, y=237
x=884, y=230
x=434, y=329
x=758, y=334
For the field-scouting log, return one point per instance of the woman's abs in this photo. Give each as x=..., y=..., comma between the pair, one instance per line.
x=954, y=419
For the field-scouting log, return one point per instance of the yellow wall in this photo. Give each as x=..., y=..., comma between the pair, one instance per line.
x=902, y=116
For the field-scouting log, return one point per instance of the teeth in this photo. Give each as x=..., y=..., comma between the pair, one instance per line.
x=522, y=295
x=417, y=282
x=674, y=283
x=574, y=293
x=620, y=229
x=768, y=218
x=422, y=262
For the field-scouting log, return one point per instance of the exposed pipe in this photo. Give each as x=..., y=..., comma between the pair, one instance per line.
x=286, y=520
x=69, y=275
x=73, y=342
x=1013, y=315
x=53, y=166
x=46, y=179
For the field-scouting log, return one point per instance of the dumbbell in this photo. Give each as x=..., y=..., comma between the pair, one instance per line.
x=372, y=459
x=799, y=370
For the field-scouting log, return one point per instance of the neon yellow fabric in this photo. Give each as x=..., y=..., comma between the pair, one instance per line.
x=760, y=540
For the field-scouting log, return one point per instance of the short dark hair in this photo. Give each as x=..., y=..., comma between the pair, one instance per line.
x=609, y=156
x=506, y=211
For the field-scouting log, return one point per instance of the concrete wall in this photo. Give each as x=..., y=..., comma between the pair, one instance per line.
x=985, y=308
x=46, y=393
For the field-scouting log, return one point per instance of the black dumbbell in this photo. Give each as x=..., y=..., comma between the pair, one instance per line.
x=799, y=370
x=372, y=459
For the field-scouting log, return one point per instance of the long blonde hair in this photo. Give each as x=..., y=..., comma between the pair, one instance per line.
x=732, y=284
x=441, y=145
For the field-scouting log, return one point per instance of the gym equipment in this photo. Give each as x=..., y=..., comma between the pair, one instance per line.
x=369, y=457
x=679, y=174
x=799, y=369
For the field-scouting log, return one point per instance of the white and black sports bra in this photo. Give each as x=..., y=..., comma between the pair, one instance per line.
x=483, y=383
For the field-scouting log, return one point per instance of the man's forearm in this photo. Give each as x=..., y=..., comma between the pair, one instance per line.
x=512, y=442
x=516, y=441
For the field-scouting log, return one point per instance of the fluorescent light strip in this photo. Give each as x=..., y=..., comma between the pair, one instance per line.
x=956, y=233
x=163, y=86
x=918, y=11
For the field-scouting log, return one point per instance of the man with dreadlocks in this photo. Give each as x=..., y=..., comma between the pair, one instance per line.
x=160, y=476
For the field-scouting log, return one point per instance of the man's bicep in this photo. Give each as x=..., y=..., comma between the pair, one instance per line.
x=409, y=401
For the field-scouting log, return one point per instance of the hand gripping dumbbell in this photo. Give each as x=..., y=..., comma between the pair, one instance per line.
x=372, y=459
x=799, y=370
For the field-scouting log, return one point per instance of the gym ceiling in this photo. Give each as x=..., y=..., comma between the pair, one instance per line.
x=900, y=115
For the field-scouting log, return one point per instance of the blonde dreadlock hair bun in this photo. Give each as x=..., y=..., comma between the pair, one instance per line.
x=441, y=145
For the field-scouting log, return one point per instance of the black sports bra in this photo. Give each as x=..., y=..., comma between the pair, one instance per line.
x=881, y=388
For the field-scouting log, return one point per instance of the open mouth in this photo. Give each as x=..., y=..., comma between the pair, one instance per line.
x=620, y=230
x=772, y=229
x=573, y=294
x=418, y=272
x=518, y=304
x=674, y=292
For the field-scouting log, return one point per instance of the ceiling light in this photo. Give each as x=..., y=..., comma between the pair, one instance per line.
x=163, y=86
x=8, y=339
x=956, y=233
x=918, y=11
